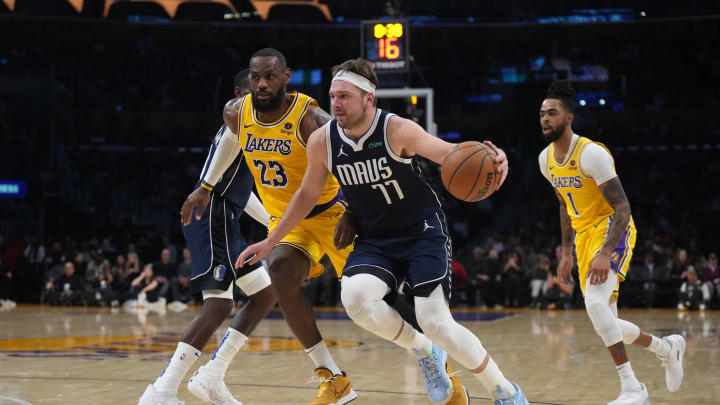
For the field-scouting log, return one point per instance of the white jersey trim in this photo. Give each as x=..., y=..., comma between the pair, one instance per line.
x=359, y=145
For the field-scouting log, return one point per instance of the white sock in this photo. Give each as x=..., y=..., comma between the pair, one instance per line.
x=412, y=339
x=184, y=357
x=495, y=382
x=628, y=381
x=659, y=346
x=232, y=342
x=320, y=355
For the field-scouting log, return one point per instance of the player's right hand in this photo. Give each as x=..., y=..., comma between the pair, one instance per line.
x=198, y=198
x=564, y=268
x=345, y=231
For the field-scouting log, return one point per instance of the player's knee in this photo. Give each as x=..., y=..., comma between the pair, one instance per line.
x=218, y=308
x=433, y=317
x=605, y=324
x=361, y=291
x=264, y=298
x=286, y=273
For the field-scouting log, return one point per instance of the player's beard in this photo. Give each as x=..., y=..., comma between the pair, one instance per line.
x=269, y=104
x=354, y=123
x=555, y=134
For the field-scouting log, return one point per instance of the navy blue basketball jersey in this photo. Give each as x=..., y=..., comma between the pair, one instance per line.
x=387, y=193
x=236, y=183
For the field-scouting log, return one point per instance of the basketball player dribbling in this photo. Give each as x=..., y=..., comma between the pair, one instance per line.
x=402, y=234
x=271, y=127
x=213, y=240
x=595, y=217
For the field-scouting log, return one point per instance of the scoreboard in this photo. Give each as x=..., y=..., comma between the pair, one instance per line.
x=386, y=44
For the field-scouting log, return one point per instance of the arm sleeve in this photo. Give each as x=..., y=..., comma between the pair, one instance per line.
x=255, y=209
x=542, y=161
x=597, y=163
x=227, y=150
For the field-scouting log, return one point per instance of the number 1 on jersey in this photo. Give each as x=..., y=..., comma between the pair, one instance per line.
x=572, y=202
x=382, y=188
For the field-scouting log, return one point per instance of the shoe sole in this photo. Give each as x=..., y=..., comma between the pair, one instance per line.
x=682, y=356
x=196, y=390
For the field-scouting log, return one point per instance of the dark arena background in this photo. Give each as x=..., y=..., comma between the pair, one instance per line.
x=107, y=109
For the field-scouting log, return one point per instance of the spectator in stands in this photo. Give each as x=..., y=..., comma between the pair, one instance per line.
x=79, y=263
x=459, y=282
x=557, y=294
x=477, y=279
x=144, y=287
x=164, y=271
x=538, y=278
x=132, y=266
x=654, y=279
x=95, y=267
x=678, y=265
x=109, y=287
x=6, y=283
x=514, y=280
x=691, y=296
x=68, y=289
x=711, y=280
x=181, y=283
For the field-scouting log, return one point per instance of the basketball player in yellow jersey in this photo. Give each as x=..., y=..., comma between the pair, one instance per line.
x=271, y=127
x=595, y=217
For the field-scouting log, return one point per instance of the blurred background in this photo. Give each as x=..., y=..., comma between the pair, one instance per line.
x=107, y=108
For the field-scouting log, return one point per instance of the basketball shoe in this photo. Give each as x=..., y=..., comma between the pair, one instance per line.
x=517, y=399
x=211, y=389
x=437, y=382
x=632, y=397
x=460, y=394
x=333, y=389
x=151, y=396
x=673, y=362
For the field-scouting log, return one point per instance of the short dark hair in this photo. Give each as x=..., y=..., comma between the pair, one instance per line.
x=241, y=79
x=271, y=52
x=562, y=90
x=360, y=66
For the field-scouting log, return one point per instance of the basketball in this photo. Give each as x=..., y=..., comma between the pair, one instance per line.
x=468, y=171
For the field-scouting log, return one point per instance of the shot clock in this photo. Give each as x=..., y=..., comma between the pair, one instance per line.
x=386, y=44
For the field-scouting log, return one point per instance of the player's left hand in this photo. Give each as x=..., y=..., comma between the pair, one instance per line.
x=254, y=253
x=345, y=231
x=599, y=268
x=501, y=163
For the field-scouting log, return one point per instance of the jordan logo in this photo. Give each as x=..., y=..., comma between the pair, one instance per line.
x=426, y=226
x=341, y=153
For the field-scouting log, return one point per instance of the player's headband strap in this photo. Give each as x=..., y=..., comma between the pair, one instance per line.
x=354, y=78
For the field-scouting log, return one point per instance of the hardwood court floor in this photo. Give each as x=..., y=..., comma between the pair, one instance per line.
x=102, y=356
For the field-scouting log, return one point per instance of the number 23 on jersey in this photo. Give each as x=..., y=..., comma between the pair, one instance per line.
x=272, y=174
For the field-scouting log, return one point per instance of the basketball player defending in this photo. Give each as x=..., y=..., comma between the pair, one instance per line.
x=595, y=216
x=271, y=127
x=214, y=241
x=402, y=234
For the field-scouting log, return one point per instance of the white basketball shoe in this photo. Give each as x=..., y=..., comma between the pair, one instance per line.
x=632, y=397
x=673, y=362
x=211, y=389
x=151, y=396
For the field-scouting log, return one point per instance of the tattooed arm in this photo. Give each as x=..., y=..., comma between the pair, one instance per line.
x=568, y=240
x=314, y=119
x=615, y=196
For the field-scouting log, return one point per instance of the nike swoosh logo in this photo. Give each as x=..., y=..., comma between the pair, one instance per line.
x=247, y=126
x=340, y=393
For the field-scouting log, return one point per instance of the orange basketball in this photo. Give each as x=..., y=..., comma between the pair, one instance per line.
x=468, y=171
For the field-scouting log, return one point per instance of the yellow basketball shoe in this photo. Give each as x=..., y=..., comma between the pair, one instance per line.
x=460, y=395
x=334, y=389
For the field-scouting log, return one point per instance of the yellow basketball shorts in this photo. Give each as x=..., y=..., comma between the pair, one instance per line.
x=315, y=236
x=589, y=242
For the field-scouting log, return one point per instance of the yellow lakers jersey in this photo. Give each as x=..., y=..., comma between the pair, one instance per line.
x=275, y=154
x=586, y=205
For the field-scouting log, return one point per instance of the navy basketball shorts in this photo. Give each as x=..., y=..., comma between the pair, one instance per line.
x=415, y=260
x=215, y=242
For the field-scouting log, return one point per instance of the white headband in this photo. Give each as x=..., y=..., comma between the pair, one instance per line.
x=354, y=78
